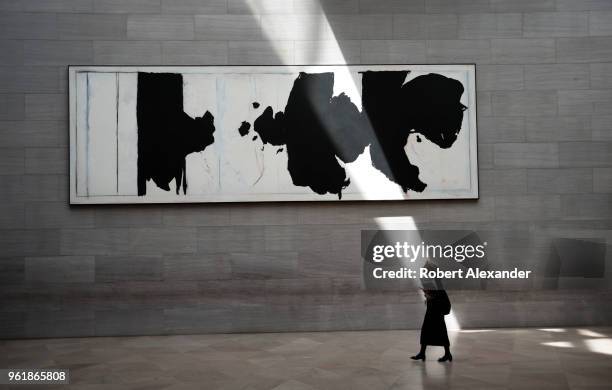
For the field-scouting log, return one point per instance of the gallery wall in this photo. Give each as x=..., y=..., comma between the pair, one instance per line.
x=545, y=170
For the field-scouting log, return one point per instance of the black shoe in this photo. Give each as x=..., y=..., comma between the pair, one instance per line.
x=419, y=356
x=447, y=356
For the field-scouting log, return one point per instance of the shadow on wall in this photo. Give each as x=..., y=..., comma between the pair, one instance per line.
x=575, y=262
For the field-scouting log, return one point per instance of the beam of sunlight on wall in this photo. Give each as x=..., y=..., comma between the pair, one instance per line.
x=316, y=30
x=401, y=223
x=408, y=223
x=272, y=34
x=451, y=321
x=396, y=223
x=452, y=325
x=347, y=83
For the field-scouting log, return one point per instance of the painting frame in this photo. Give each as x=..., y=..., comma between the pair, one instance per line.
x=73, y=70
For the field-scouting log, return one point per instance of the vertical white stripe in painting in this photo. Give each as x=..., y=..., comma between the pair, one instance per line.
x=81, y=133
x=127, y=134
x=102, y=147
x=244, y=174
x=202, y=168
x=265, y=89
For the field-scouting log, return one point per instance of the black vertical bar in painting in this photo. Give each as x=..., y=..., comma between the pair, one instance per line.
x=166, y=134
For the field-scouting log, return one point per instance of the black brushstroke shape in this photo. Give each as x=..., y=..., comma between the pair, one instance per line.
x=270, y=127
x=428, y=104
x=301, y=127
x=244, y=128
x=166, y=134
x=255, y=104
x=318, y=128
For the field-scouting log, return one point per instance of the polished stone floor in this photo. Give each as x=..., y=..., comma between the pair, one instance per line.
x=567, y=358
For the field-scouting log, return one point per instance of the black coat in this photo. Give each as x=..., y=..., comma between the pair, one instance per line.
x=433, y=331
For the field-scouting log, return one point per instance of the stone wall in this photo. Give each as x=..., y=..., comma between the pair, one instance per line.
x=545, y=168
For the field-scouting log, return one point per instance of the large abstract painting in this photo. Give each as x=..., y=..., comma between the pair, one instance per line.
x=272, y=133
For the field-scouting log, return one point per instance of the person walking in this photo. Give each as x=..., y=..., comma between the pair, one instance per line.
x=433, y=331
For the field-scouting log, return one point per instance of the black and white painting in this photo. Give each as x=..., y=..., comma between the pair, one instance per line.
x=272, y=133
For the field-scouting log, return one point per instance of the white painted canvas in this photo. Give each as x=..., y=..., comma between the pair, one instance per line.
x=279, y=133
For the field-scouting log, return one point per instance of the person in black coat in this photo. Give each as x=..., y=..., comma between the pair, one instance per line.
x=433, y=331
